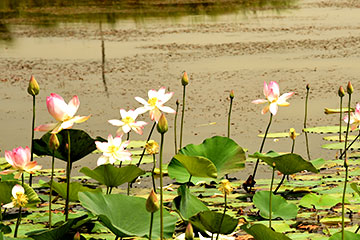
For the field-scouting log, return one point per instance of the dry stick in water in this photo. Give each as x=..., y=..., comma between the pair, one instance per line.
x=350, y=90
x=175, y=121
x=305, y=119
x=229, y=115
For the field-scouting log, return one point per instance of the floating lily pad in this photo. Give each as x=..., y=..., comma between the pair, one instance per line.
x=277, y=135
x=336, y=138
x=287, y=164
x=197, y=166
x=325, y=129
x=280, y=207
x=325, y=201
x=348, y=235
x=340, y=145
x=333, y=220
x=261, y=232
x=337, y=110
x=224, y=153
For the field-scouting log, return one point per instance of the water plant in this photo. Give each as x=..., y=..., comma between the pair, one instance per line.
x=184, y=82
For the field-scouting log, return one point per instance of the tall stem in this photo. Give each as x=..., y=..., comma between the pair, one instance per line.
x=32, y=138
x=270, y=197
x=151, y=224
x=222, y=217
x=305, y=121
x=148, y=139
x=229, y=117
x=152, y=173
x=348, y=147
x=347, y=127
x=68, y=174
x=262, y=145
x=161, y=189
x=18, y=221
x=51, y=186
x=340, y=122
x=182, y=117
x=128, y=136
x=175, y=130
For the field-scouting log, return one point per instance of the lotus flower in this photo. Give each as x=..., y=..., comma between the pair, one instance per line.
x=128, y=122
x=272, y=94
x=113, y=150
x=19, y=198
x=155, y=104
x=19, y=159
x=354, y=118
x=63, y=113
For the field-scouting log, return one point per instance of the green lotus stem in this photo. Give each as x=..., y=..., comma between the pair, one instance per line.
x=222, y=217
x=346, y=173
x=18, y=221
x=182, y=117
x=270, y=197
x=189, y=181
x=128, y=189
x=343, y=202
x=350, y=145
x=262, y=145
x=128, y=136
x=1, y=216
x=107, y=190
x=148, y=139
x=357, y=229
x=51, y=186
x=229, y=117
x=151, y=224
x=152, y=173
x=161, y=189
x=293, y=146
x=175, y=121
x=32, y=138
x=68, y=174
x=347, y=127
x=305, y=120
x=340, y=122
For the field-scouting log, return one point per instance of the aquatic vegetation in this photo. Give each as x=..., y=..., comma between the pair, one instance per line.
x=207, y=201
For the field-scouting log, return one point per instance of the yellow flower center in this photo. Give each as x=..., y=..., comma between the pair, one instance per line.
x=153, y=101
x=128, y=120
x=113, y=149
x=225, y=187
x=152, y=147
x=21, y=200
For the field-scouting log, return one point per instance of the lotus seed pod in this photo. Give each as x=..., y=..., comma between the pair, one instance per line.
x=33, y=88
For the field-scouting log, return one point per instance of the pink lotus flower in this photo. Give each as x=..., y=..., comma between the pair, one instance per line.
x=128, y=122
x=155, y=104
x=19, y=159
x=114, y=149
x=354, y=118
x=19, y=198
x=272, y=94
x=63, y=113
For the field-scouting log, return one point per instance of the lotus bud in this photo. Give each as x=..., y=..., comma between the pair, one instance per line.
x=349, y=88
x=152, y=204
x=177, y=102
x=185, y=79
x=341, y=91
x=307, y=87
x=225, y=187
x=162, y=125
x=273, y=164
x=54, y=142
x=77, y=236
x=189, y=232
x=232, y=94
x=33, y=88
x=292, y=133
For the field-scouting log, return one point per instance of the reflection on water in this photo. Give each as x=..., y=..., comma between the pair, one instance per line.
x=47, y=13
x=103, y=60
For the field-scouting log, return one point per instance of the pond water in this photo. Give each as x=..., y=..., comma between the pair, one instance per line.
x=108, y=52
